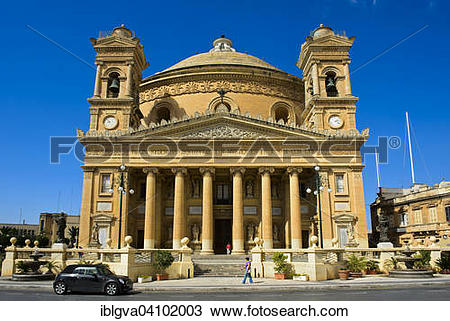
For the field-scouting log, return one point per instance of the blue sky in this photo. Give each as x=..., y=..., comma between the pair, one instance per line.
x=44, y=89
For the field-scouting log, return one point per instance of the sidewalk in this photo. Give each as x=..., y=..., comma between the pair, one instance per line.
x=214, y=284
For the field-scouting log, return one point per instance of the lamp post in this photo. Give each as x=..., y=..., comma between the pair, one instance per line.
x=122, y=191
x=318, y=188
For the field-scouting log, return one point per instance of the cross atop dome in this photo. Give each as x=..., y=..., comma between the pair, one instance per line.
x=222, y=44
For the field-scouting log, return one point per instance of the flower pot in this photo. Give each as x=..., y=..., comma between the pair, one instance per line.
x=356, y=274
x=280, y=276
x=343, y=274
x=144, y=280
x=161, y=277
x=300, y=278
x=446, y=271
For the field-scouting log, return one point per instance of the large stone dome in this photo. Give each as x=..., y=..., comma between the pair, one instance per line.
x=222, y=54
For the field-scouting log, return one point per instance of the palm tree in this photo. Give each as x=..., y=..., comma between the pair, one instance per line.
x=73, y=234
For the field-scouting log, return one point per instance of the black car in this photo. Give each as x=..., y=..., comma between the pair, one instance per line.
x=90, y=278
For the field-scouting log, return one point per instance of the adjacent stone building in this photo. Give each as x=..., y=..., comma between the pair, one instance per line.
x=222, y=147
x=413, y=215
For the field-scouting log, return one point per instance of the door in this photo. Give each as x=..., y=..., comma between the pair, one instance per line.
x=89, y=281
x=305, y=239
x=222, y=235
x=140, y=239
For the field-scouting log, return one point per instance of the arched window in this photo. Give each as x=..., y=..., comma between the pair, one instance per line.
x=281, y=113
x=330, y=84
x=222, y=107
x=162, y=113
x=113, y=85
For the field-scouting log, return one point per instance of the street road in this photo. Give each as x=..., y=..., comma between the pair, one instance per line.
x=431, y=293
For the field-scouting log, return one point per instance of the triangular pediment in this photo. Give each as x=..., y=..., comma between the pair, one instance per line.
x=332, y=41
x=225, y=126
x=114, y=42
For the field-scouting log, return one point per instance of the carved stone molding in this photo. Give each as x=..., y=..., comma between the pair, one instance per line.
x=223, y=131
x=212, y=86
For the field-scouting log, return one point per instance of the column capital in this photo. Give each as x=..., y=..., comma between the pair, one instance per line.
x=237, y=170
x=179, y=170
x=266, y=170
x=207, y=170
x=150, y=170
x=294, y=170
x=88, y=169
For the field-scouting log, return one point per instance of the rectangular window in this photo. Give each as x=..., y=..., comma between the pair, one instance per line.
x=106, y=183
x=222, y=194
x=403, y=219
x=418, y=216
x=447, y=213
x=433, y=214
x=42, y=226
x=340, y=186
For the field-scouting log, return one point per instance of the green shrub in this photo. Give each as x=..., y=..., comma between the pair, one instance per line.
x=22, y=267
x=443, y=263
x=161, y=261
x=281, y=264
x=372, y=265
x=356, y=264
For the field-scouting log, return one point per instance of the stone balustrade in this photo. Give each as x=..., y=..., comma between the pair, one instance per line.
x=125, y=261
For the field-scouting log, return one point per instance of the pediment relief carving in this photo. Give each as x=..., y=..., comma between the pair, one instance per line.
x=223, y=131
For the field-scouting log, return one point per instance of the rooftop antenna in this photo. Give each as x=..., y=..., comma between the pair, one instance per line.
x=20, y=215
x=410, y=150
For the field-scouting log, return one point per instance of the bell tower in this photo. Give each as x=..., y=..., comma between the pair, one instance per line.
x=324, y=59
x=120, y=61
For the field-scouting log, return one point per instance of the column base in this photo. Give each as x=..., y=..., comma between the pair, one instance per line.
x=176, y=244
x=149, y=244
x=237, y=252
x=296, y=244
x=268, y=244
x=206, y=252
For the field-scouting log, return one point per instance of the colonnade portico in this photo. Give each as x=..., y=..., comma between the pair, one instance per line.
x=207, y=207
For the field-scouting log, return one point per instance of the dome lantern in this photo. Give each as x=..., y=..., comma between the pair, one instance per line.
x=222, y=44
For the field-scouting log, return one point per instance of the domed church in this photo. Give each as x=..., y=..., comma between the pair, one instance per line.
x=222, y=148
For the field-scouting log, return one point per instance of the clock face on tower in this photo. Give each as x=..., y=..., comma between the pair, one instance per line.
x=110, y=122
x=335, y=121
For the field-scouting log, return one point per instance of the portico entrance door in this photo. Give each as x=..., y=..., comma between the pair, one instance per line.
x=222, y=235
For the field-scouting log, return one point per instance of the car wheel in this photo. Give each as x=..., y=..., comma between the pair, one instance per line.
x=60, y=288
x=112, y=288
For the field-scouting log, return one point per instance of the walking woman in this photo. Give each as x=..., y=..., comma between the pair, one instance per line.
x=247, y=268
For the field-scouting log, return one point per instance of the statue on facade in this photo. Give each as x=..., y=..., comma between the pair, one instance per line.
x=383, y=227
x=249, y=189
x=195, y=233
x=95, y=231
x=61, y=227
x=250, y=232
x=276, y=233
x=275, y=191
x=195, y=188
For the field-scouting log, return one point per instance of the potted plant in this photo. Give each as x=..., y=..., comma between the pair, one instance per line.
x=144, y=278
x=300, y=277
x=443, y=263
x=356, y=264
x=282, y=267
x=372, y=267
x=344, y=272
x=161, y=261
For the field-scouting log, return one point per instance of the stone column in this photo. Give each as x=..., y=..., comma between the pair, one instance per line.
x=287, y=214
x=86, y=207
x=238, y=210
x=315, y=77
x=207, y=211
x=178, y=207
x=266, y=207
x=348, y=88
x=97, y=88
x=129, y=79
x=294, y=196
x=150, y=208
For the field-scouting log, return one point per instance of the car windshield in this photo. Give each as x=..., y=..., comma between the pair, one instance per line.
x=104, y=271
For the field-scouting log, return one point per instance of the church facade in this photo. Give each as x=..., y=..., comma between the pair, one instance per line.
x=222, y=148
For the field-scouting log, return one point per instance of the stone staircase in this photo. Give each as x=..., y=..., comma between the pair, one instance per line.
x=218, y=265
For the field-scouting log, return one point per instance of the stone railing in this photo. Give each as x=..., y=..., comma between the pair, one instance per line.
x=323, y=264
x=125, y=261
